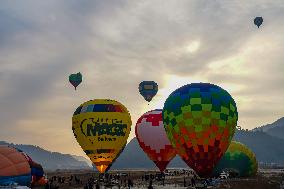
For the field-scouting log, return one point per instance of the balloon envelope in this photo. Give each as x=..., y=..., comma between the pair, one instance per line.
x=75, y=79
x=101, y=127
x=238, y=158
x=148, y=89
x=200, y=120
x=14, y=167
x=37, y=174
x=152, y=138
x=258, y=21
x=17, y=167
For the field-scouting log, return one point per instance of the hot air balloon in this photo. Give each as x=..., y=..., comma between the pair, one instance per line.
x=258, y=21
x=37, y=174
x=152, y=138
x=101, y=127
x=148, y=89
x=18, y=167
x=75, y=79
x=238, y=159
x=200, y=121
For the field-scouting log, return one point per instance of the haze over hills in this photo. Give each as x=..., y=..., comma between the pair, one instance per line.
x=82, y=159
x=266, y=142
x=267, y=148
x=51, y=160
x=274, y=129
x=134, y=157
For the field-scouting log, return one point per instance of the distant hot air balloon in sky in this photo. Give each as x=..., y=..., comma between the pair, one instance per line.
x=148, y=89
x=17, y=167
x=75, y=79
x=239, y=159
x=258, y=21
x=200, y=121
x=152, y=138
x=101, y=127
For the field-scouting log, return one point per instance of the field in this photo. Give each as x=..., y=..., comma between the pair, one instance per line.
x=265, y=179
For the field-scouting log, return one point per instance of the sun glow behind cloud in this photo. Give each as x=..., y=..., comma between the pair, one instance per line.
x=193, y=46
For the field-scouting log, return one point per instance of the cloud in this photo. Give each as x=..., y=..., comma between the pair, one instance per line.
x=117, y=44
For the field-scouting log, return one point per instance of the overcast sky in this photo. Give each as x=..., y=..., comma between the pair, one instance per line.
x=117, y=44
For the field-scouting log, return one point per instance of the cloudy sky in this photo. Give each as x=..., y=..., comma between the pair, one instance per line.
x=116, y=44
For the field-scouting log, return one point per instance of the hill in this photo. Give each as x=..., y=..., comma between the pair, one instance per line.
x=134, y=157
x=274, y=129
x=268, y=149
x=50, y=160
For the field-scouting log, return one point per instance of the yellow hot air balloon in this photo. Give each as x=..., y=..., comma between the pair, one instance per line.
x=101, y=127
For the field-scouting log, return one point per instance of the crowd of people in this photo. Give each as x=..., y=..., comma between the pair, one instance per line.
x=57, y=182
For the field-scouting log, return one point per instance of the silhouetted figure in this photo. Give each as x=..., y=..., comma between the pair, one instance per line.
x=164, y=177
x=150, y=185
x=63, y=180
x=90, y=184
x=192, y=181
x=146, y=177
x=130, y=183
x=77, y=180
x=97, y=186
x=47, y=186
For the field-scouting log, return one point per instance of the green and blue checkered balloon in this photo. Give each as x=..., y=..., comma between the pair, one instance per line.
x=200, y=121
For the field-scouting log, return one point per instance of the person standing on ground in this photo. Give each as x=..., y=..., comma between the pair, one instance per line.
x=97, y=186
x=192, y=181
x=150, y=185
x=130, y=184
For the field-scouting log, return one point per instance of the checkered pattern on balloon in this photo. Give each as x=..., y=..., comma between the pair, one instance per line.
x=200, y=121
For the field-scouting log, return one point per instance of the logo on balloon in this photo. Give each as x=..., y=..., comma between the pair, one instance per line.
x=92, y=127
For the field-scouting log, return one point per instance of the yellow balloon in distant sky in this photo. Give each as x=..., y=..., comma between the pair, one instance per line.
x=101, y=127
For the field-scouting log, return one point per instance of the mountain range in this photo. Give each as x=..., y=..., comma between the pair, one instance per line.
x=274, y=129
x=266, y=142
x=51, y=160
x=267, y=148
